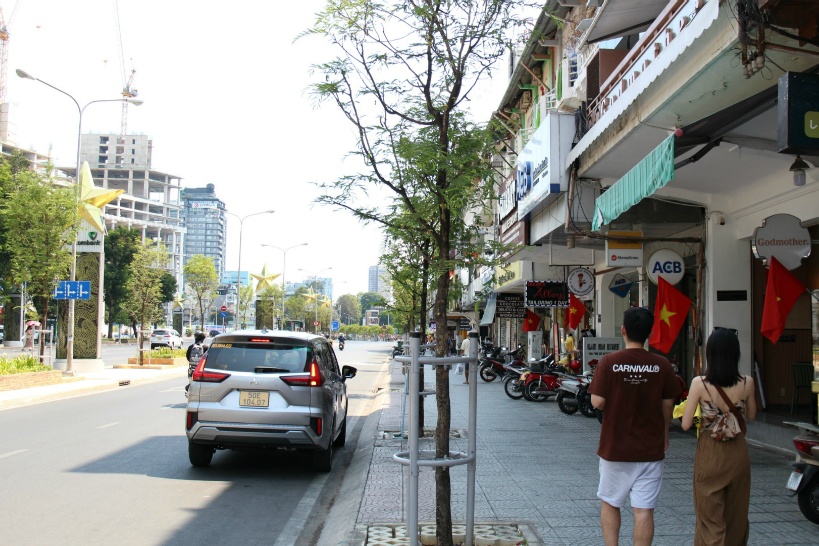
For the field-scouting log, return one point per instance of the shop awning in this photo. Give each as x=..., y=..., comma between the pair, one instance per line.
x=624, y=17
x=649, y=175
x=489, y=312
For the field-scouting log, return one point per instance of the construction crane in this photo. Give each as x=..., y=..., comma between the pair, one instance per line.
x=128, y=91
x=4, y=53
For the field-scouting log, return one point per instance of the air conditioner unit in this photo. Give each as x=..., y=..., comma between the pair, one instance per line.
x=525, y=100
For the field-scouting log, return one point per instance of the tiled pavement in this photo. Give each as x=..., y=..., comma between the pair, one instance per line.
x=538, y=467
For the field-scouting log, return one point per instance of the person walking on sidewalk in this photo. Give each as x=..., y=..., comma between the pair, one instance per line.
x=465, y=352
x=29, y=346
x=637, y=390
x=722, y=467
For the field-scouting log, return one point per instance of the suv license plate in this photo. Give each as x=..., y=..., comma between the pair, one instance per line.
x=794, y=480
x=254, y=399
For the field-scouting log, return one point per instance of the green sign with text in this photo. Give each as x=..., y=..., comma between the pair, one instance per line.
x=798, y=113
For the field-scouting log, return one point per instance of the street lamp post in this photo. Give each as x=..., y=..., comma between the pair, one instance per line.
x=239, y=273
x=69, y=344
x=284, y=263
x=315, y=278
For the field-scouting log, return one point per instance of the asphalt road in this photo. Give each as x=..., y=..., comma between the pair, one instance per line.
x=112, y=468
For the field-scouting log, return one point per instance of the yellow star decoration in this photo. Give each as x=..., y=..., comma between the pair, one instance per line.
x=326, y=302
x=265, y=279
x=178, y=301
x=310, y=294
x=92, y=199
x=665, y=314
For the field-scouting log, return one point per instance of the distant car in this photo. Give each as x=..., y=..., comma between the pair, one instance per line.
x=260, y=389
x=166, y=337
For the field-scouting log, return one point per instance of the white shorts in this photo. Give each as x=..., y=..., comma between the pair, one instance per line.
x=642, y=480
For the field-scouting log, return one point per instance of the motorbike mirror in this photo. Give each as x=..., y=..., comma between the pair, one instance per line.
x=532, y=360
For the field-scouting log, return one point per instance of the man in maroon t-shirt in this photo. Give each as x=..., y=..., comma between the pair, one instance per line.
x=637, y=390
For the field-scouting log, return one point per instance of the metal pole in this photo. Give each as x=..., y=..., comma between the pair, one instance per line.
x=239, y=278
x=472, y=442
x=414, y=378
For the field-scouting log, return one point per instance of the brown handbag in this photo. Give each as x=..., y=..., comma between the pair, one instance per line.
x=733, y=409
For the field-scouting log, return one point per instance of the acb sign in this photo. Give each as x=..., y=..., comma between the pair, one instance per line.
x=667, y=264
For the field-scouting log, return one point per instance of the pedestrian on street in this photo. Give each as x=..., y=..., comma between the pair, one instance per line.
x=637, y=390
x=465, y=352
x=29, y=346
x=722, y=467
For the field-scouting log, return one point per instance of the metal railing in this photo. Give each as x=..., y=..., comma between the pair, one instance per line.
x=415, y=457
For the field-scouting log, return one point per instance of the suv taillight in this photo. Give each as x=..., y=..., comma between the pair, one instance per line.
x=804, y=446
x=312, y=379
x=199, y=374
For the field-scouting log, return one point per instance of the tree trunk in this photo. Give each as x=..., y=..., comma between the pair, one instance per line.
x=443, y=487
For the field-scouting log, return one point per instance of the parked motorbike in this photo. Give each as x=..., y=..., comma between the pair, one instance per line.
x=495, y=366
x=541, y=382
x=804, y=479
x=397, y=351
x=573, y=395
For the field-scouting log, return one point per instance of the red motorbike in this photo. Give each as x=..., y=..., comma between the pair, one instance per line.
x=493, y=364
x=543, y=381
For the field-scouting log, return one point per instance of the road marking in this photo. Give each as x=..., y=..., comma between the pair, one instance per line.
x=290, y=534
x=109, y=425
x=10, y=453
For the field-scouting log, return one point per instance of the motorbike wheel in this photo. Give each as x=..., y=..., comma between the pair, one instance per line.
x=809, y=500
x=487, y=373
x=586, y=408
x=513, y=389
x=568, y=410
x=534, y=393
x=525, y=389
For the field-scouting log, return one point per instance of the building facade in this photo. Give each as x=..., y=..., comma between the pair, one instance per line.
x=203, y=216
x=379, y=281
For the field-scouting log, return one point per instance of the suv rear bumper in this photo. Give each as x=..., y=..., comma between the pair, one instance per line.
x=232, y=434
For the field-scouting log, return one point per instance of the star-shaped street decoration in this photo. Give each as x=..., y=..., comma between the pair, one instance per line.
x=178, y=301
x=311, y=294
x=326, y=301
x=265, y=279
x=665, y=314
x=92, y=199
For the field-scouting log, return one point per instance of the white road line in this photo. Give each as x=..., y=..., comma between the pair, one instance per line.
x=109, y=425
x=295, y=525
x=10, y=453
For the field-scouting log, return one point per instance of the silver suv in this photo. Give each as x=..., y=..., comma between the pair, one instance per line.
x=268, y=389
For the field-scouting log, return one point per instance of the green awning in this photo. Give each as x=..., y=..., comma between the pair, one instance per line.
x=649, y=175
x=489, y=312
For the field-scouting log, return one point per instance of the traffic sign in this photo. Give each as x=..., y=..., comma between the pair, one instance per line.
x=224, y=308
x=224, y=314
x=316, y=323
x=334, y=326
x=72, y=290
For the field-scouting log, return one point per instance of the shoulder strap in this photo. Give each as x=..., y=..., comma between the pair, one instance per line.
x=732, y=408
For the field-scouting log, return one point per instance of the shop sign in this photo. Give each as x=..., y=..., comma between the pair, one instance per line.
x=546, y=294
x=464, y=323
x=510, y=306
x=595, y=348
x=667, y=264
x=507, y=201
x=620, y=285
x=513, y=232
x=89, y=239
x=507, y=274
x=782, y=236
x=624, y=253
x=581, y=282
x=798, y=114
x=539, y=174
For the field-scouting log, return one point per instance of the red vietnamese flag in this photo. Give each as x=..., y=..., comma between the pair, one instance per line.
x=531, y=322
x=781, y=293
x=576, y=311
x=670, y=311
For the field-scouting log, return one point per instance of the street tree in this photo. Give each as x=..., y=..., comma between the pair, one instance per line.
x=371, y=300
x=348, y=308
x=40, y=221
x=144, y=288
x=268, y=306
x=403, y=76
x=203, y=282
x=296, y=306
x=121, y=244
x=247, y=297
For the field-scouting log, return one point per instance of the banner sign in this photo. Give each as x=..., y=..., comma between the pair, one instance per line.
x=510, y=306
x=798, y=114
x=595, y=348
x=624, y=253
x=620, y=285
x=546, y=294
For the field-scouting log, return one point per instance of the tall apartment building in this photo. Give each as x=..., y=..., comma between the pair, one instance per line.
x=203, y=216
x=379, y=281
x=151, y=202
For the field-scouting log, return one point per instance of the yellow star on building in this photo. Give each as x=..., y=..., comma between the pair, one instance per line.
x=265, y=279
x=92, y=199
x=665, y=314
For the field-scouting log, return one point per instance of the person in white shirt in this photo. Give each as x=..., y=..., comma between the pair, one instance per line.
x=465, y=352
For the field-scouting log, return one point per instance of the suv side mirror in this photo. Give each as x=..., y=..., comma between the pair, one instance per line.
x=348, y=372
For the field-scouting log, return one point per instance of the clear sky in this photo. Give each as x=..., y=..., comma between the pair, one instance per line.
x=224, y=86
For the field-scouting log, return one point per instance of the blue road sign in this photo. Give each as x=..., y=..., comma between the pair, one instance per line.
x=224, y=313
x=334, y=325
x=72, y=290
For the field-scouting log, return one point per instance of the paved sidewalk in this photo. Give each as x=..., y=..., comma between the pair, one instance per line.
x=537, y=467
x=86, y=383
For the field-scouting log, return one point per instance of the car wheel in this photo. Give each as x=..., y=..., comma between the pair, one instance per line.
x=199, y=455
x=323, y=458
x=342, y=435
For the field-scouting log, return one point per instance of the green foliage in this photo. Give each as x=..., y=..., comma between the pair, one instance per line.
x=144, y=286
x=268, y=306
x=202, y=281
x=121, y=244
x=348, y=308
x=167, y=352
x=22, y=364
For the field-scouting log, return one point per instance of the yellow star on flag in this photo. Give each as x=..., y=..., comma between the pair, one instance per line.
x=665, y=314
x=265, y=279
x=92, y=199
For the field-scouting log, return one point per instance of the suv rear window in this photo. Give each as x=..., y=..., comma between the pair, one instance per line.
x=247, y=357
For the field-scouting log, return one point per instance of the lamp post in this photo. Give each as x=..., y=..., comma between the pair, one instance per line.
x=284, y=263
x=69, y=344
x=239, y=273
x=315, y=277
